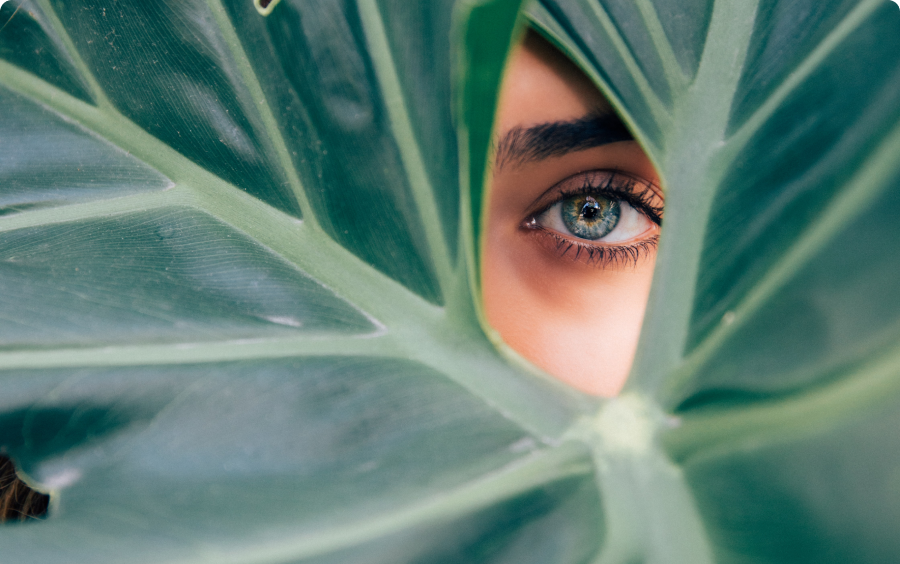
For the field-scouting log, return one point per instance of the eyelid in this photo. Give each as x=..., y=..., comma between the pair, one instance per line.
x=648, y=199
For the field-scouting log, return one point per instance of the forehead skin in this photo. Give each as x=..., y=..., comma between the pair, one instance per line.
x=542, y=85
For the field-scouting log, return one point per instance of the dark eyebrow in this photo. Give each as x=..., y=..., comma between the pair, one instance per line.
x=521, y=144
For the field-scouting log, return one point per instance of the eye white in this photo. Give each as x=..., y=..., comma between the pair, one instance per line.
x=632, y=223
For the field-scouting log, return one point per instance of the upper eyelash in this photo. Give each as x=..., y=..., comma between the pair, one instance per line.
x=639, y=199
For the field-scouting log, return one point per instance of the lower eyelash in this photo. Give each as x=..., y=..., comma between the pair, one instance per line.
x=602, y=256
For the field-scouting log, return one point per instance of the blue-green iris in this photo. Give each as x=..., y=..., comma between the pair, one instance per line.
x=590, y=217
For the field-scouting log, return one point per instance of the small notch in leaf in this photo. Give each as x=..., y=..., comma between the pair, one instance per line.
x=265, y=7
x=18, y=502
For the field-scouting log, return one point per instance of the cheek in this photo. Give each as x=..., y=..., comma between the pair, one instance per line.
x=578, y=322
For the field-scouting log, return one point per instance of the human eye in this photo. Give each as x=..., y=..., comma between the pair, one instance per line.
x=603, y=218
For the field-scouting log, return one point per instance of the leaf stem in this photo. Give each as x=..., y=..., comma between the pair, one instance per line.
x=649, y=509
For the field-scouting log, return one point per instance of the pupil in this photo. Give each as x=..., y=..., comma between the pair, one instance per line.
x=591, y=209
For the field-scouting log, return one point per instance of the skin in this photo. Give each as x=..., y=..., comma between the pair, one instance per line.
x=577, y=319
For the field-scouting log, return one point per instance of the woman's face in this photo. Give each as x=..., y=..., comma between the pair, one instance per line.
x=572, y=224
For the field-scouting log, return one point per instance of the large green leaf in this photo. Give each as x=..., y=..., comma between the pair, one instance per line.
x=238, y=286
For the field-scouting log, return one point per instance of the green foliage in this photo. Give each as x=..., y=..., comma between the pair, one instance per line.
x=238, y=261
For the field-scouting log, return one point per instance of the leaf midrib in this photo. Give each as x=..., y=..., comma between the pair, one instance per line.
x=701, y=117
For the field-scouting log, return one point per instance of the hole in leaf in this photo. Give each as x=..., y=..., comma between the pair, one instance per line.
x=18, y=502
x=572, y=222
